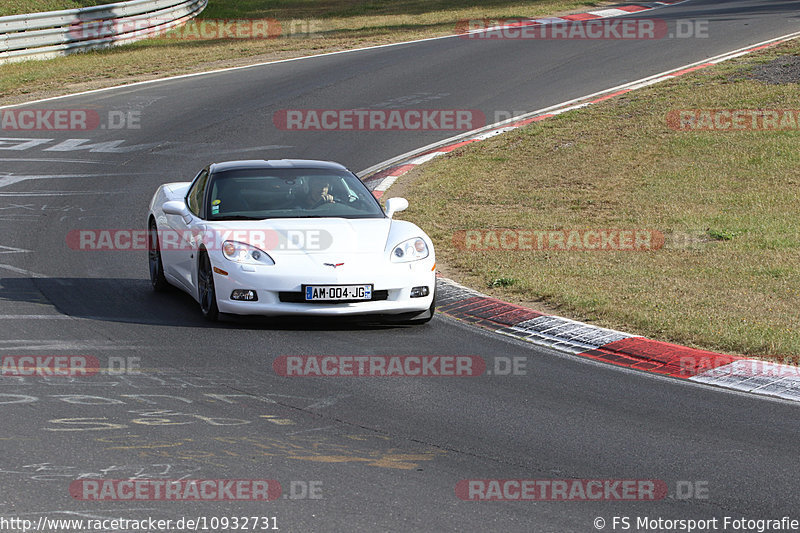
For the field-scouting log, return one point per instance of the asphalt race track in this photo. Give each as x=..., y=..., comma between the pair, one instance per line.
x=376, y=454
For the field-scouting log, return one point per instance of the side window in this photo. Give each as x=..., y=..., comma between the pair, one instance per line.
x=194, y=199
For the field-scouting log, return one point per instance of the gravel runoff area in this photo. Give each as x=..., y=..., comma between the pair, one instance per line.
x=785, y=69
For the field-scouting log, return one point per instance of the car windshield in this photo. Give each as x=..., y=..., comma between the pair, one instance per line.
x=259, y=193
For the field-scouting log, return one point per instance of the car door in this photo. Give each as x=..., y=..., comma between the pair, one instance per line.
x=189, y=230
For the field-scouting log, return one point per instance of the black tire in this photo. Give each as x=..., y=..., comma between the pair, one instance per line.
x=415, y=319
x=205, y=287
x=157, y=279
x=431, y=312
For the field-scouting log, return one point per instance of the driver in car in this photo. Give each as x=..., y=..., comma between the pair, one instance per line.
x=318, y=193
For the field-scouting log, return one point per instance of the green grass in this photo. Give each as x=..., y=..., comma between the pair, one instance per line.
x=728, y=275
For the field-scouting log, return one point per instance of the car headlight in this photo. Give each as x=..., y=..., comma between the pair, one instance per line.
x=410, y=250
x=245, y=254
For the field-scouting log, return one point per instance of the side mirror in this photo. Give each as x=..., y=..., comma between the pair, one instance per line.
x=395, y=205
x=175, y=207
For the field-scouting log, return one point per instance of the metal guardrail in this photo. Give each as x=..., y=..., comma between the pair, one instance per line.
x=57, y=33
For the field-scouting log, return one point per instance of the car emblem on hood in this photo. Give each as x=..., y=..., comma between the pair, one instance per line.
x=334, y=265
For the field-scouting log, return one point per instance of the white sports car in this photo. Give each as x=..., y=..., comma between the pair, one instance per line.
x=289, y=237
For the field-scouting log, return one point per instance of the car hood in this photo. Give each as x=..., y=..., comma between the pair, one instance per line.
x=307, y=236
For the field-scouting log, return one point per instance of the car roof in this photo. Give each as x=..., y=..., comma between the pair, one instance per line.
x=275, y=163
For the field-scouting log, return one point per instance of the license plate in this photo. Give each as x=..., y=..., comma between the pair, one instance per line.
x=337, y=292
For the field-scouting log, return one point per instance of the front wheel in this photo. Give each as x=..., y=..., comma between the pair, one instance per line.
x=157, y=279
x=205, y=282
x=431, y=311
x=415, y=319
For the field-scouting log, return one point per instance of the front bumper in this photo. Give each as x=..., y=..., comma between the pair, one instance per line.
x=397, y=279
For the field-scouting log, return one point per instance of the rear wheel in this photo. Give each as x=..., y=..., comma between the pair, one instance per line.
x=157, y=278
x=205, y=283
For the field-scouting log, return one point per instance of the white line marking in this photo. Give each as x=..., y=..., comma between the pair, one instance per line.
x=23, y=271
x=35, y=317
x=12, y=250
x=256, y=149
x=425, y=158
x=549, y=20
x=14, y=160
x=757, y=377
x=58, y=193
x=612, y=12
x=10, y=179
x=42, y=344
x=386, y=183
